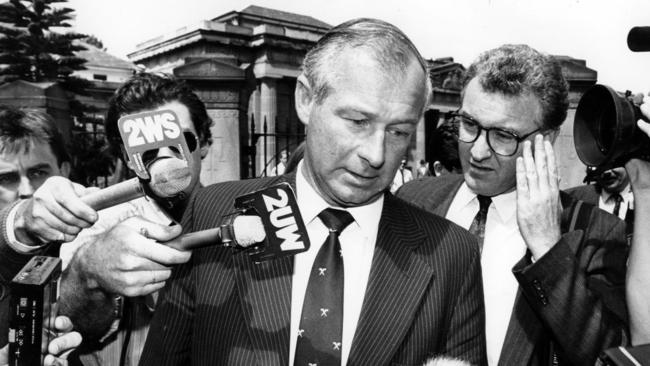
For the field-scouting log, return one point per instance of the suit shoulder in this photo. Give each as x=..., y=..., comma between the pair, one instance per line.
x=437, y=229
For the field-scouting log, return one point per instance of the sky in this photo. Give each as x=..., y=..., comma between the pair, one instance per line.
x=592, y=30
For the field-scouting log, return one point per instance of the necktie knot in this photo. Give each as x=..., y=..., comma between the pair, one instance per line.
x=483, y=203
x=335, y=220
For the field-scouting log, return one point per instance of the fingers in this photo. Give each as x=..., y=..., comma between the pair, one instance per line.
x=541, y=164
x=63, y=324
x=553, y=174
x=529, y=165
x=522, y=182
x=161, y=253
x=65, y=194
x=64, y=343
x=644, y=126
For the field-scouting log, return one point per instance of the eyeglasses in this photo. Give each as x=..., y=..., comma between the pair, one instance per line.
x=502, y=142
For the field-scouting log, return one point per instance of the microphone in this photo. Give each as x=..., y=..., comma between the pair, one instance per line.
x=244, y=231
x=638, y=39
x=169, y=176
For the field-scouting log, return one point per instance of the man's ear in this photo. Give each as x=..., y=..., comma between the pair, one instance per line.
x=304, y=99
x=553, y=134
x=64, y=168
x=438, y=169
x=204, y=150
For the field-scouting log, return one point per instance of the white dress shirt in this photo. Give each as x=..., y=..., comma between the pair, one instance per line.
x=503, y=247
x=357, y=247
x=607, y=202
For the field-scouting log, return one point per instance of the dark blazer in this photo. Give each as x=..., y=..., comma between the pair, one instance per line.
x=424, y=295
x=586, y=193
x=571, y=302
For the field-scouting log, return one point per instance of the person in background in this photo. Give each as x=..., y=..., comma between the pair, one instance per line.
x=109, y=288
x=281, y=166
x=31, y=151
x=423, y=169
x=553, y=267
x=612, y=193
x=444, y=148
x=403, y=175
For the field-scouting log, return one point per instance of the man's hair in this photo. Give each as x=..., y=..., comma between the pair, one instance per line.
x=515, y=70
x=444, y=145
x=148, y=91
x=393, y=50
x=21, y=130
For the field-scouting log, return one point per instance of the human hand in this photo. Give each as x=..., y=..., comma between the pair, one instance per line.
x=58, y=349
x=128, y=259
x=55, y=213
x=538, y=197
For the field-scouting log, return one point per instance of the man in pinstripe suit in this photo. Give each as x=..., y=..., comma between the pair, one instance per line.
x=553, y=278
x=412, y=286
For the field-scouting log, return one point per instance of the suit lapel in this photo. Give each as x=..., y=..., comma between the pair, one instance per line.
x=265, y=299
x=398, y=280
x=524, y=330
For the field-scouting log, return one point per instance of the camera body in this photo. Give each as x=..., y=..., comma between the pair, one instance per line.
x=605, y=132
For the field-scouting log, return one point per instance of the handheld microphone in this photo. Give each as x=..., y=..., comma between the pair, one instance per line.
x=638, y=39
x=243, y=232
x=168, y=177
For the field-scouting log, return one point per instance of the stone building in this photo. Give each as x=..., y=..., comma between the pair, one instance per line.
x=244, y=65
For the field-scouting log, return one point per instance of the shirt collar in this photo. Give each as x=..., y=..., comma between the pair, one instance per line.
x=311, y=204
x=505, y=204
x=625, y=193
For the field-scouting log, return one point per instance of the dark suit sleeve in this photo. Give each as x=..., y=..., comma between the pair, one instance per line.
x=466, y=337
x=169, y=338
x=577, y=289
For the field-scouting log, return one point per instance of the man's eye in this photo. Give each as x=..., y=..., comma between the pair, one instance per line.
x=38, y=174
x=358, y=122
x=399, y=133
x=8, y=179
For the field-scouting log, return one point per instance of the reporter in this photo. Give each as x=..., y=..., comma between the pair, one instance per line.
x=638, y=273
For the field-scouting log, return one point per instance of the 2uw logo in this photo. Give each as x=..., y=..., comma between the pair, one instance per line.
x=282, y=218
x=152, y=128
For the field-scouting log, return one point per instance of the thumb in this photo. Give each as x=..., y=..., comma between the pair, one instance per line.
x=158, y=232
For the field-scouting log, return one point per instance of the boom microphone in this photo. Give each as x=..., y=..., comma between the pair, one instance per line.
x=243, y=232
x=638, y=39
x=168, y=177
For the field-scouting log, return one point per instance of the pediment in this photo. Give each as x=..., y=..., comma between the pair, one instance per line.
x=210, y=69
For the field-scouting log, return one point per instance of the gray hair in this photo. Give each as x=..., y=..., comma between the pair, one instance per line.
x=393, y=50
x=519, y=69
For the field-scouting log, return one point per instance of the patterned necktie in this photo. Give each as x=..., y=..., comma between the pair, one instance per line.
x=617, y=203
x=478, y=225
x=321, y=325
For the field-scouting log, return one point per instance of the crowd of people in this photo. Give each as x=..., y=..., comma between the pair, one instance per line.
x=479, y=259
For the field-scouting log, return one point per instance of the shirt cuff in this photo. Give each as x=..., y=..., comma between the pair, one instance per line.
x=11, y=235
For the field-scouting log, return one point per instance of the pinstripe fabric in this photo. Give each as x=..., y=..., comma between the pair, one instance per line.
x=424, y=295
x=574, y=295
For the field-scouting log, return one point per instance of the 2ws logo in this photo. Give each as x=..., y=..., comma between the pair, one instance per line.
x=147, y=132
x=151, y=128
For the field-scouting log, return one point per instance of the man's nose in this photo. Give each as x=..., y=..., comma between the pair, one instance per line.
x=480, y=148
x=373, y=149
x=25, y=188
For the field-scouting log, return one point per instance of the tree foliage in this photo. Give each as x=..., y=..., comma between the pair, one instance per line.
x=37, y=46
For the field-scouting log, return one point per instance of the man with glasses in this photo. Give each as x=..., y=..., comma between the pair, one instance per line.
x=553, y=268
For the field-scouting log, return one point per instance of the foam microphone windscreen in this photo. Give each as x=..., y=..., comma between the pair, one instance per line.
x=169, y=177
x=638, y=39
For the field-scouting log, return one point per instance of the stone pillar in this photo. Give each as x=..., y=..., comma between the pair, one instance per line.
x=268, y=112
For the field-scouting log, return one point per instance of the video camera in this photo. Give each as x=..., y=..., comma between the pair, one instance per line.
x=605, y=132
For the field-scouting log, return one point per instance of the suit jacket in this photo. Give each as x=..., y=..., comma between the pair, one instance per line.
x=573, y=296
x=586, y=193
x=424, y=294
